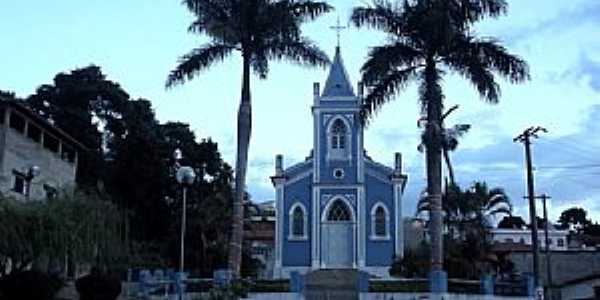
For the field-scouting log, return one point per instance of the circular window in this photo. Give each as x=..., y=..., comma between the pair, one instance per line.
x=338, y=173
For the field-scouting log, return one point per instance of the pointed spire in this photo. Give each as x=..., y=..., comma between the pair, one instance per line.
x=338, y=82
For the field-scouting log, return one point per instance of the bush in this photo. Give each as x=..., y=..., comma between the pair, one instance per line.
x=98, y=286
x=31, y=285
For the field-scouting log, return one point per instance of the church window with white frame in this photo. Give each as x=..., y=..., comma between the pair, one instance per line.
x=338, y=137
x=380, y=222
x=298, y=222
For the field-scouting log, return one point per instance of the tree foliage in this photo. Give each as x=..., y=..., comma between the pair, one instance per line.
x=129, y=161
x=574, y=216
x=81, y=226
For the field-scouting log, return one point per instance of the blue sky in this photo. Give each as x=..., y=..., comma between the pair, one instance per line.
x=137, y=42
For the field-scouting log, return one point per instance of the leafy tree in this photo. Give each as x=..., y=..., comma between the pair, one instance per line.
x=574, y=216
x=428, y=38
x=137, y=173
x=85, y=105
x=261, y=30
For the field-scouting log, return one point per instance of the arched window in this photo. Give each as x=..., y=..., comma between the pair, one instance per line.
x=380, y=222
x=338, y=135
x=298, y=222
x=339, y=212
x=338, y=140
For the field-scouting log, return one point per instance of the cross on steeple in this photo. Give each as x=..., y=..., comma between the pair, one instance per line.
x=338, y=28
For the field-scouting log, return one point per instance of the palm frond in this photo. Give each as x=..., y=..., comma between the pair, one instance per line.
x=471, y=11
x=497, y=58
x=382, y=15
x=309, y=10
x=196, y=61
x=476, y=59
x=260, y=65
x=385, y=89
x=300, y=51
x=207, y=12
x=388, y=58
x=478, y=74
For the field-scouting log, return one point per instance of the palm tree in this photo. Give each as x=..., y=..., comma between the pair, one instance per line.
x=473, y=207
x=427, y=38
x=260, y=30
x=486, y=203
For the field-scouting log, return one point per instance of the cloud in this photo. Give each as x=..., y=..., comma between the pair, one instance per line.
x=567, y=16
x=588, y=69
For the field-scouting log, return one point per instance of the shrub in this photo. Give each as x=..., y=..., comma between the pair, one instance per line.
x=98, y=286
x=31, y=285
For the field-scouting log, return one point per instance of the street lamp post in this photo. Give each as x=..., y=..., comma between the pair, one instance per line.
x=185, y=176
x=32, y=172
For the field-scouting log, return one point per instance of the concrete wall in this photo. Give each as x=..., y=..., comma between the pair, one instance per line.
x=20, y=152
x=583, y=290
x=566, y=266
x=385, y=296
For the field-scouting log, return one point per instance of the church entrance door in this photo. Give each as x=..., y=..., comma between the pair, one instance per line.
x=337, y=236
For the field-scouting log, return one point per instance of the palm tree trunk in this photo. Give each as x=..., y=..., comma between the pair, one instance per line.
x=244, y=124
x=449, y=165
x=433, y=97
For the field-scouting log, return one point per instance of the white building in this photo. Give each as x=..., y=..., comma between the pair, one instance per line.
x=557, y=239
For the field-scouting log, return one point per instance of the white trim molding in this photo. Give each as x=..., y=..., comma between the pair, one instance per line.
x=373, y=235
x=399, y=227
x=279, y=204
x=291, y=235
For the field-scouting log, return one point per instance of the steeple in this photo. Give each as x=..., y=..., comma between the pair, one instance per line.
x=338, y=82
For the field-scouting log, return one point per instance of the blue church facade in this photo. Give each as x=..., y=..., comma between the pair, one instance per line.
x=338, y=208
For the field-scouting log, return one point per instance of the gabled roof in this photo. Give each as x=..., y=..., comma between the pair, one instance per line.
x=338, y=82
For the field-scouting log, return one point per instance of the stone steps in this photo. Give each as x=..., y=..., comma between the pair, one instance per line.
x=332, y=284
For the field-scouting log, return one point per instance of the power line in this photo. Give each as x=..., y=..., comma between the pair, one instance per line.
x=582, y=166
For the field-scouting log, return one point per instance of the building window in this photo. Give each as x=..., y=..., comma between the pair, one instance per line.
x=338, y=136
x=51, y=143
x=338, y=173
x=17, y=122
x=68, y=153
x=550, y=242
x=20, y=184
x=561, y=243
x=34, y=133
x=339, y=212
x=2, y=112
x=380, y=221
x=298, y=222
x=522, y=241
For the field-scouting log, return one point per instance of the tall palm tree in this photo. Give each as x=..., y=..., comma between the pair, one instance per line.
x=428, y=38
x=260, y=30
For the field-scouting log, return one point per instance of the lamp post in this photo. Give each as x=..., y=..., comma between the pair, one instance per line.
x=32, y=172
x=185, y=176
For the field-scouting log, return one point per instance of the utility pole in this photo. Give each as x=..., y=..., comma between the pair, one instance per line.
x=544, y=197
x=525, y=138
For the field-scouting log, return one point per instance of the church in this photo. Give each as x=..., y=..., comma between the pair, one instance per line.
x=338, y=209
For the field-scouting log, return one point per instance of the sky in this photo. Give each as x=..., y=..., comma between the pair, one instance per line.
x=138, y=42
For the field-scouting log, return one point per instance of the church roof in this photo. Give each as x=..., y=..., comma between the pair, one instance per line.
x=338, y=82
